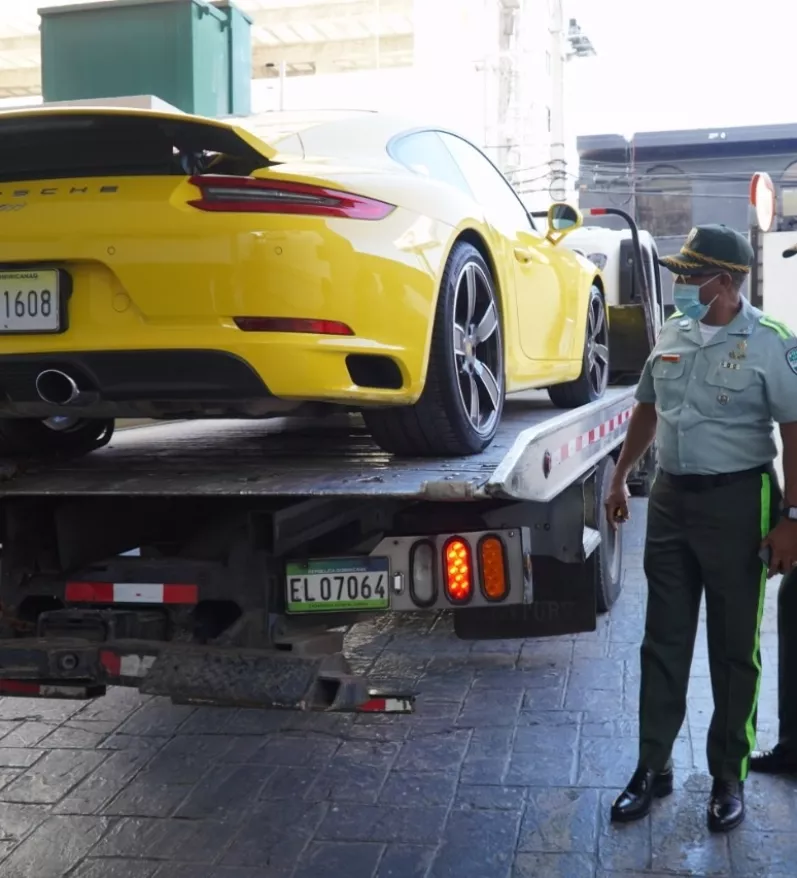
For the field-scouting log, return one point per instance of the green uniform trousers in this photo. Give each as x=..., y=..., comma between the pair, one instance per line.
x=702, y=534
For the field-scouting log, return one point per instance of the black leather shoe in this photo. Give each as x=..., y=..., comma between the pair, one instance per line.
x=636, y=799
x=778, y=760
x=726, y=805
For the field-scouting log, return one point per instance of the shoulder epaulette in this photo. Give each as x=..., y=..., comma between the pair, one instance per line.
x=782, y=330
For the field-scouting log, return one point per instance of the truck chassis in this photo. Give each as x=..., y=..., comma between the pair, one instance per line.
x=192, y=560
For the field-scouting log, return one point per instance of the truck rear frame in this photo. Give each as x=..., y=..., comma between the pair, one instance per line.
x=221, y=564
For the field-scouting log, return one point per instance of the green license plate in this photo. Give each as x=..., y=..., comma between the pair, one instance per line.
x=329, y=585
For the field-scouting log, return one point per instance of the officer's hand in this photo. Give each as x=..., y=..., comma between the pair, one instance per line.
x=617, y=503
x=782, y=544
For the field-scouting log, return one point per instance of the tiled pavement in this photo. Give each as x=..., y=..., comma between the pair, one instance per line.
x=506, y=769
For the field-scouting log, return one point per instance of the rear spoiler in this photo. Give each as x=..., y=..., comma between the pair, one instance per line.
x=50, y=143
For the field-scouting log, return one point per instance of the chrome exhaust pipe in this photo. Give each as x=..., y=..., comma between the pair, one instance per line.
x=56, y=387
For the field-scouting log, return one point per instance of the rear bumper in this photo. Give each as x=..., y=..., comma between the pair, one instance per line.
x=78, y=669
x=256, y=379
x=132, y=375
x=176, y=290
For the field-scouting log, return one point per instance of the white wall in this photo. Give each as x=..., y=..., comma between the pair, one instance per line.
x=780, y=278
x=780, y=287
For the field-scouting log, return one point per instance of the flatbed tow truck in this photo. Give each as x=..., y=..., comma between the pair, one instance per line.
x=221, y=562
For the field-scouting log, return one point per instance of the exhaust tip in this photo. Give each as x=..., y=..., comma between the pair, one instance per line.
x=56, y=387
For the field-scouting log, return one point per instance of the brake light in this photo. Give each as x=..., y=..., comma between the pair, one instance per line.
x=292, y=324
x=458, y=570
x=493, y=569
x=255, y=195
x=595, y=211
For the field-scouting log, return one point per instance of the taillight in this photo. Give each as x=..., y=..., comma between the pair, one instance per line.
x=255, y=195
x=492, y=561
x=423, y=581
x=292, y=324
x=458, y=565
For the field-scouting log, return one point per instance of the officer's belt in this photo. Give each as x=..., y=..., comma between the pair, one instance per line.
x=696, y=482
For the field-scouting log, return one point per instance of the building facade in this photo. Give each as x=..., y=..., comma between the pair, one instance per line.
x=670, y=181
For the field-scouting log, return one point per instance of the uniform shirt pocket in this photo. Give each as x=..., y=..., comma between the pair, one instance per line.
x=735, y=380
x=731, y=388
x=669, y=383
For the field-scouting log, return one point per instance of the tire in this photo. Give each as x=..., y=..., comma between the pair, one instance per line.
x=606, y=562
x=67, y=437
x=466, y=358
x=594, y=378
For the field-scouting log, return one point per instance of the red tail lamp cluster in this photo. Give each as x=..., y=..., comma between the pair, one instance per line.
x=462, y=573
x=230, y=194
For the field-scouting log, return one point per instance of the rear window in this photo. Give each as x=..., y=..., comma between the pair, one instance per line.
x=105, y=145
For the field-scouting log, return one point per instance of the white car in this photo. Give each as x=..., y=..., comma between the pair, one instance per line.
x=612, y=251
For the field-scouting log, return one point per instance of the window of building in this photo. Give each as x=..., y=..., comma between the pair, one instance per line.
x=664, y=201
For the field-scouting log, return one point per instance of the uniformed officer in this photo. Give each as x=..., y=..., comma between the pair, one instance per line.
x=782, y=758
x=720, y=374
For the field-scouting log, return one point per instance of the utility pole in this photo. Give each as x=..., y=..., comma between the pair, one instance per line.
x=556, y=116
x=565, y=46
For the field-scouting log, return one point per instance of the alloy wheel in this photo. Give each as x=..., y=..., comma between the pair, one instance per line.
x=478, y=351
x=597, y=346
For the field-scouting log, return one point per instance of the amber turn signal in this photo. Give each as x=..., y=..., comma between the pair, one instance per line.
x=493, y=569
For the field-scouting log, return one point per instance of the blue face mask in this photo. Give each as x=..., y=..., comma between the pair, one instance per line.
x=687, y=299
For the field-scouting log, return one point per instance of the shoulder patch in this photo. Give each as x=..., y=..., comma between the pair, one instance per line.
x=777, y=326
x=791, y=359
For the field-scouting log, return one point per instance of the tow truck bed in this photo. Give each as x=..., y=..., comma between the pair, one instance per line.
x=335, y=457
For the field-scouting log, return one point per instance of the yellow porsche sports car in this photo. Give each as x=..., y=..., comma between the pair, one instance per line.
x=161, y=265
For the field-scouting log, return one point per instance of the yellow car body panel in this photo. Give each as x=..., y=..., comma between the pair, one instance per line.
x=150, y=272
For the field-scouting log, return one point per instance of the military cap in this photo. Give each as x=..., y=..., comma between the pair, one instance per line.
x=711, y=247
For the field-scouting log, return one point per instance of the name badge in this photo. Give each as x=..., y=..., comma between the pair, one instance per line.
x=671, y=358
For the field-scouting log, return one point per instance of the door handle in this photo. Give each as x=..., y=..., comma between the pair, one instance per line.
x=523, y=255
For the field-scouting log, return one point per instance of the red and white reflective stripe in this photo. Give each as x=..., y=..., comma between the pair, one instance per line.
x=574, y=446
x=387, y=705
x=126, y=665
x=130, y=593
x=33, y=689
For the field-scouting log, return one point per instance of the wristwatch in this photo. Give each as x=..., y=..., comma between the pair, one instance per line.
x=789, y=512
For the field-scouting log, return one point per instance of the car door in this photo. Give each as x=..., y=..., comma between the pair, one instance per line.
x=538, y=298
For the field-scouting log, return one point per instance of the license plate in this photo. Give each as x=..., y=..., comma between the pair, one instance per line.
x=333, y=584
x=29, y=301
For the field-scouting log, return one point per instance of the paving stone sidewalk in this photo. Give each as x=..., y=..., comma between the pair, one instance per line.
x=507, y=768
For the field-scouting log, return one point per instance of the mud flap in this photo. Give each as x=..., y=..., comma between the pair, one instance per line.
x=564, y=603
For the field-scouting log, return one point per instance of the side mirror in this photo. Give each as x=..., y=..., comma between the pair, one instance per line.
x=563, y=218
